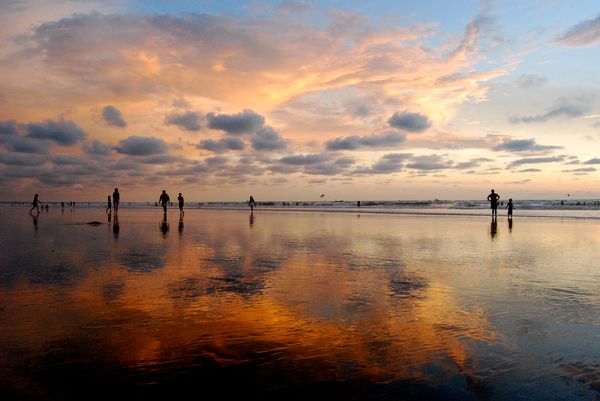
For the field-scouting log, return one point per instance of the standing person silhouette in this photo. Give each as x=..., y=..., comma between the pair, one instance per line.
x=116, y=199
x=109, y=205
x=180, y=199
x=36, y=204
x=251, y=203
x=493, y=198
x=510, y=208
x=164, y=201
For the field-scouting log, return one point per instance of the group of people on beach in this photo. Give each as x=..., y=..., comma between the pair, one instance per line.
x=493, y=197
x=163, y=199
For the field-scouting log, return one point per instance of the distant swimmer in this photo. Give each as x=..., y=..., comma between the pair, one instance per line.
x=510, y=208
x=180, y=199
x=251, y=203
x=109, y=205
x=116, y=199
x=164, y=201
x=493, y=198
x=36, y=204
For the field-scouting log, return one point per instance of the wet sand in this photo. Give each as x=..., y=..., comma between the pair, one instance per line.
x=297, y=305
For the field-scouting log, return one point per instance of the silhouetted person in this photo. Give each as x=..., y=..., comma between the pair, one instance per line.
x=36, y=204
x=180, y=199
x=251, y=203
x=493, y=198
x=116, y=199
x=510, y=208
x=164, y=201
x=164, y=226
x=109, y=205
x=358, y=204
x=62, y=205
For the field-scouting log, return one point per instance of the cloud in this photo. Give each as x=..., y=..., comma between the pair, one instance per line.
x=355, y=142
x=246, y=122
x=189, y=120
x=595, y=160
x=581, y=170
x=530, y=170
x=585, y=33
x=303, y=160
x=141, y=146
x=536, y=160
x=22, y=159
x=389, y=163
x=67, y=159
x=563, y=108
x=223, y=144
x=267, y=138
x=112, y=116
x=522, y=145
x=527, y=81
x=429, y=162
x=8, y=127
x=96, y=148
x=18, y=143
x=62, y=132
x=411, y=122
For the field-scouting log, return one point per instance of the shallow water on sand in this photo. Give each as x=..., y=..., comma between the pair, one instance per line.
x=297, y=305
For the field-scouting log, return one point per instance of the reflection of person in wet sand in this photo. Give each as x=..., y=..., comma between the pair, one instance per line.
x=164, y=201
x=180, y=199
x=116, y=225
x=180, y=224
x=36, y=204
x=116, y=199
x=251, y=203
x=164, y=226
x=493, y=198
x=510, y=223
x=251, y=219
x=493, y=228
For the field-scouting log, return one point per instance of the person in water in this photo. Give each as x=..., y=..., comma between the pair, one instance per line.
x=180, y=199
x=251, y=203
x=36, y=204
x=164, y=201
x=493, y=198
x=109, y=205
x=510, y=208
x=116, y=198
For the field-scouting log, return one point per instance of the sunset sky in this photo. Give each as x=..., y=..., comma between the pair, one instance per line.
x=286, y=100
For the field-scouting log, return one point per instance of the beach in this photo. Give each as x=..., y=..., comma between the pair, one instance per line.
x=286, y=304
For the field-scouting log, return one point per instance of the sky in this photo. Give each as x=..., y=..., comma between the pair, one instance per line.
x=287, y=100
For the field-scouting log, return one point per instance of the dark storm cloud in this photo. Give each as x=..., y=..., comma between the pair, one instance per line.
x=223, y=144
x=536, y=160
x=189, y=120
x=411, y=122
x=585, y=33
x=141, y=146
x=522, y=145
x=355, y=142
x=62, y=132
x=96, y=148
x=112, y=116
x=267, y=138
x=246, y=122
x=563, y=108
